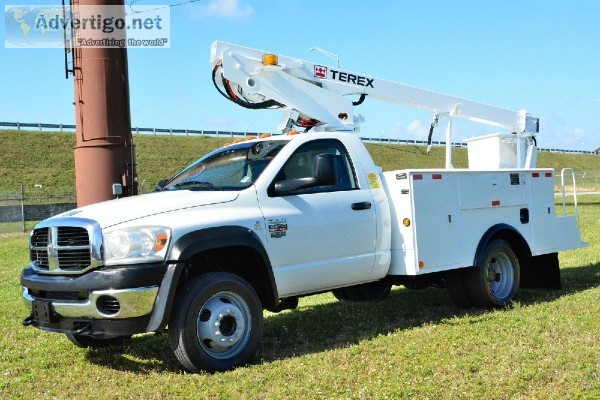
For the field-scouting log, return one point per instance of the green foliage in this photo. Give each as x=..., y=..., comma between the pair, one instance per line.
x=46, y=158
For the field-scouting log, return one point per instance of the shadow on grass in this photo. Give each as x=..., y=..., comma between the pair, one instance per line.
x=314, y=329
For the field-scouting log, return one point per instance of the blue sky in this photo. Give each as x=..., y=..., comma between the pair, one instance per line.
x=539, y=55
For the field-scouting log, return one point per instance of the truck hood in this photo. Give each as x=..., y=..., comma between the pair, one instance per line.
x=117, y=211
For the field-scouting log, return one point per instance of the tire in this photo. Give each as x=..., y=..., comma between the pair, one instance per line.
x=378, y=290
x=457, y=288
x=495, y=280
x=340, y=294
x=84, y=341
x=216, y=323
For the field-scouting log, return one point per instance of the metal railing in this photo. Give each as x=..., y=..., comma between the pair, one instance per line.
x=218, y=133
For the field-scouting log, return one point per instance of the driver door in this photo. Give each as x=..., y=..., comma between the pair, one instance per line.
x=320, y=237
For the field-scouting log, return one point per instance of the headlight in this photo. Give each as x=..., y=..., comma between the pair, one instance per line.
x=136, y=245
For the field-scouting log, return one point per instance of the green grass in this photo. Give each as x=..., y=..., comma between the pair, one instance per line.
x=46, y=158
x=415, y=344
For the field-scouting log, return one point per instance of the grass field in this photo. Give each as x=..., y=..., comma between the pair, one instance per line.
x=415, y=344
x=46, y=158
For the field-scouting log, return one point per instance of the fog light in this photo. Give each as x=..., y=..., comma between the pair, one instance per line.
x=108, y=305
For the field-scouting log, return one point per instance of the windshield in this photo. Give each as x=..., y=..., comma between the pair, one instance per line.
x=233, y=167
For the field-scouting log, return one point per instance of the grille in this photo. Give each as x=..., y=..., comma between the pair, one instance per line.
x=60, y=249
x=53, y=295
x=40, y=238
x=72, y=236
x=73, y=259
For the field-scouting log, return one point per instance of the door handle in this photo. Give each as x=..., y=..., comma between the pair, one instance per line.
x=365, y=205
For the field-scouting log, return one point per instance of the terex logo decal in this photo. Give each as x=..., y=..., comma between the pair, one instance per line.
x=320, y=71
x=351, y=78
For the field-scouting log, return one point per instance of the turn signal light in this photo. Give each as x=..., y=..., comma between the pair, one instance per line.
x=270, y=59
x=161, y=241
x=406, y=222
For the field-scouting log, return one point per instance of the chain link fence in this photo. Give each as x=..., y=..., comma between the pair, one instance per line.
x=586, y=181
x=21, y=209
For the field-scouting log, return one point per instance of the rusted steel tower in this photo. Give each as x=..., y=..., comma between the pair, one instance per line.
x=104, y=153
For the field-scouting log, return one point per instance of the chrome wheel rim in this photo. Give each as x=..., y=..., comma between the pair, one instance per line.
x=500, y=275
x=223, y=325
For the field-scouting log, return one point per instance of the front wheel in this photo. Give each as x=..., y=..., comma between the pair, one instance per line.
x=495, y=280
x=216, y=323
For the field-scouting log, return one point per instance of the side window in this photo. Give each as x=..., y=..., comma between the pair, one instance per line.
x=302, y=165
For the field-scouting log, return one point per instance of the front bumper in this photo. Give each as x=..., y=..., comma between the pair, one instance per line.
x=127, y=303
x=104, y=303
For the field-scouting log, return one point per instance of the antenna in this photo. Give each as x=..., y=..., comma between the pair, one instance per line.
x=329, y=54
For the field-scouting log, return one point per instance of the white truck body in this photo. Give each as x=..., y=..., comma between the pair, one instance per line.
x=452, y=209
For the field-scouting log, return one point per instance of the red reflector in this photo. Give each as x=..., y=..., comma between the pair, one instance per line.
x=536, y=174
x=495, y=203
x=436, y=176
x=548, y=174
x=417, y=177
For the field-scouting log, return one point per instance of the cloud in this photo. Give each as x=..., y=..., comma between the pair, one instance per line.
x=557, y=133
x=417, y=129
x=224, y=9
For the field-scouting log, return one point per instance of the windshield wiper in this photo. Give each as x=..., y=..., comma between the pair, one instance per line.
x=200, y=184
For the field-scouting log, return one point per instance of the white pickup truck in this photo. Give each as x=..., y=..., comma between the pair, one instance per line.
x=257, y=224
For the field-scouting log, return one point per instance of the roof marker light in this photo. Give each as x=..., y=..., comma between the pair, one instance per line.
x=270, y=59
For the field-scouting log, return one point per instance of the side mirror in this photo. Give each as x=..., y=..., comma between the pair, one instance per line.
x=325, y=174
x=291, y=185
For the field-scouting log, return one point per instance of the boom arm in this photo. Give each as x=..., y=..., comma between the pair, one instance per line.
x=318, y=94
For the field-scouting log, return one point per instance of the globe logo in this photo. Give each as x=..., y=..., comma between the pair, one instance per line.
x=34, y=27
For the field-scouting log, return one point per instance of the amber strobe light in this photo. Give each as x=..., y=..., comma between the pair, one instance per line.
x=270, y=59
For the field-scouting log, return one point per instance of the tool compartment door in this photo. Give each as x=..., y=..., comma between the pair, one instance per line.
x=436, y=212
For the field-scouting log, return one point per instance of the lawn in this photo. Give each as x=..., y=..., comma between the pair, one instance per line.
x=415, y=344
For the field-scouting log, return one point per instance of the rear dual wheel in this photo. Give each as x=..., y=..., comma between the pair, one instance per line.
x=492, y=283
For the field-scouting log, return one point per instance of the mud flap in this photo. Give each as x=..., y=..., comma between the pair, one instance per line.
x=541, y=272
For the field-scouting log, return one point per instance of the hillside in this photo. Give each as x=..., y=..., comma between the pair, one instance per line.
x=46, y=158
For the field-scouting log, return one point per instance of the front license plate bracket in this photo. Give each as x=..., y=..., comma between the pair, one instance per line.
x=42, y=312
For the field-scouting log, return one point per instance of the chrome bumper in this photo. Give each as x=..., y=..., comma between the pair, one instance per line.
x=133, y=303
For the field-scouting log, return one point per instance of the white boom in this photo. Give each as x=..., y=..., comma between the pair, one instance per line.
x=315, y=96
